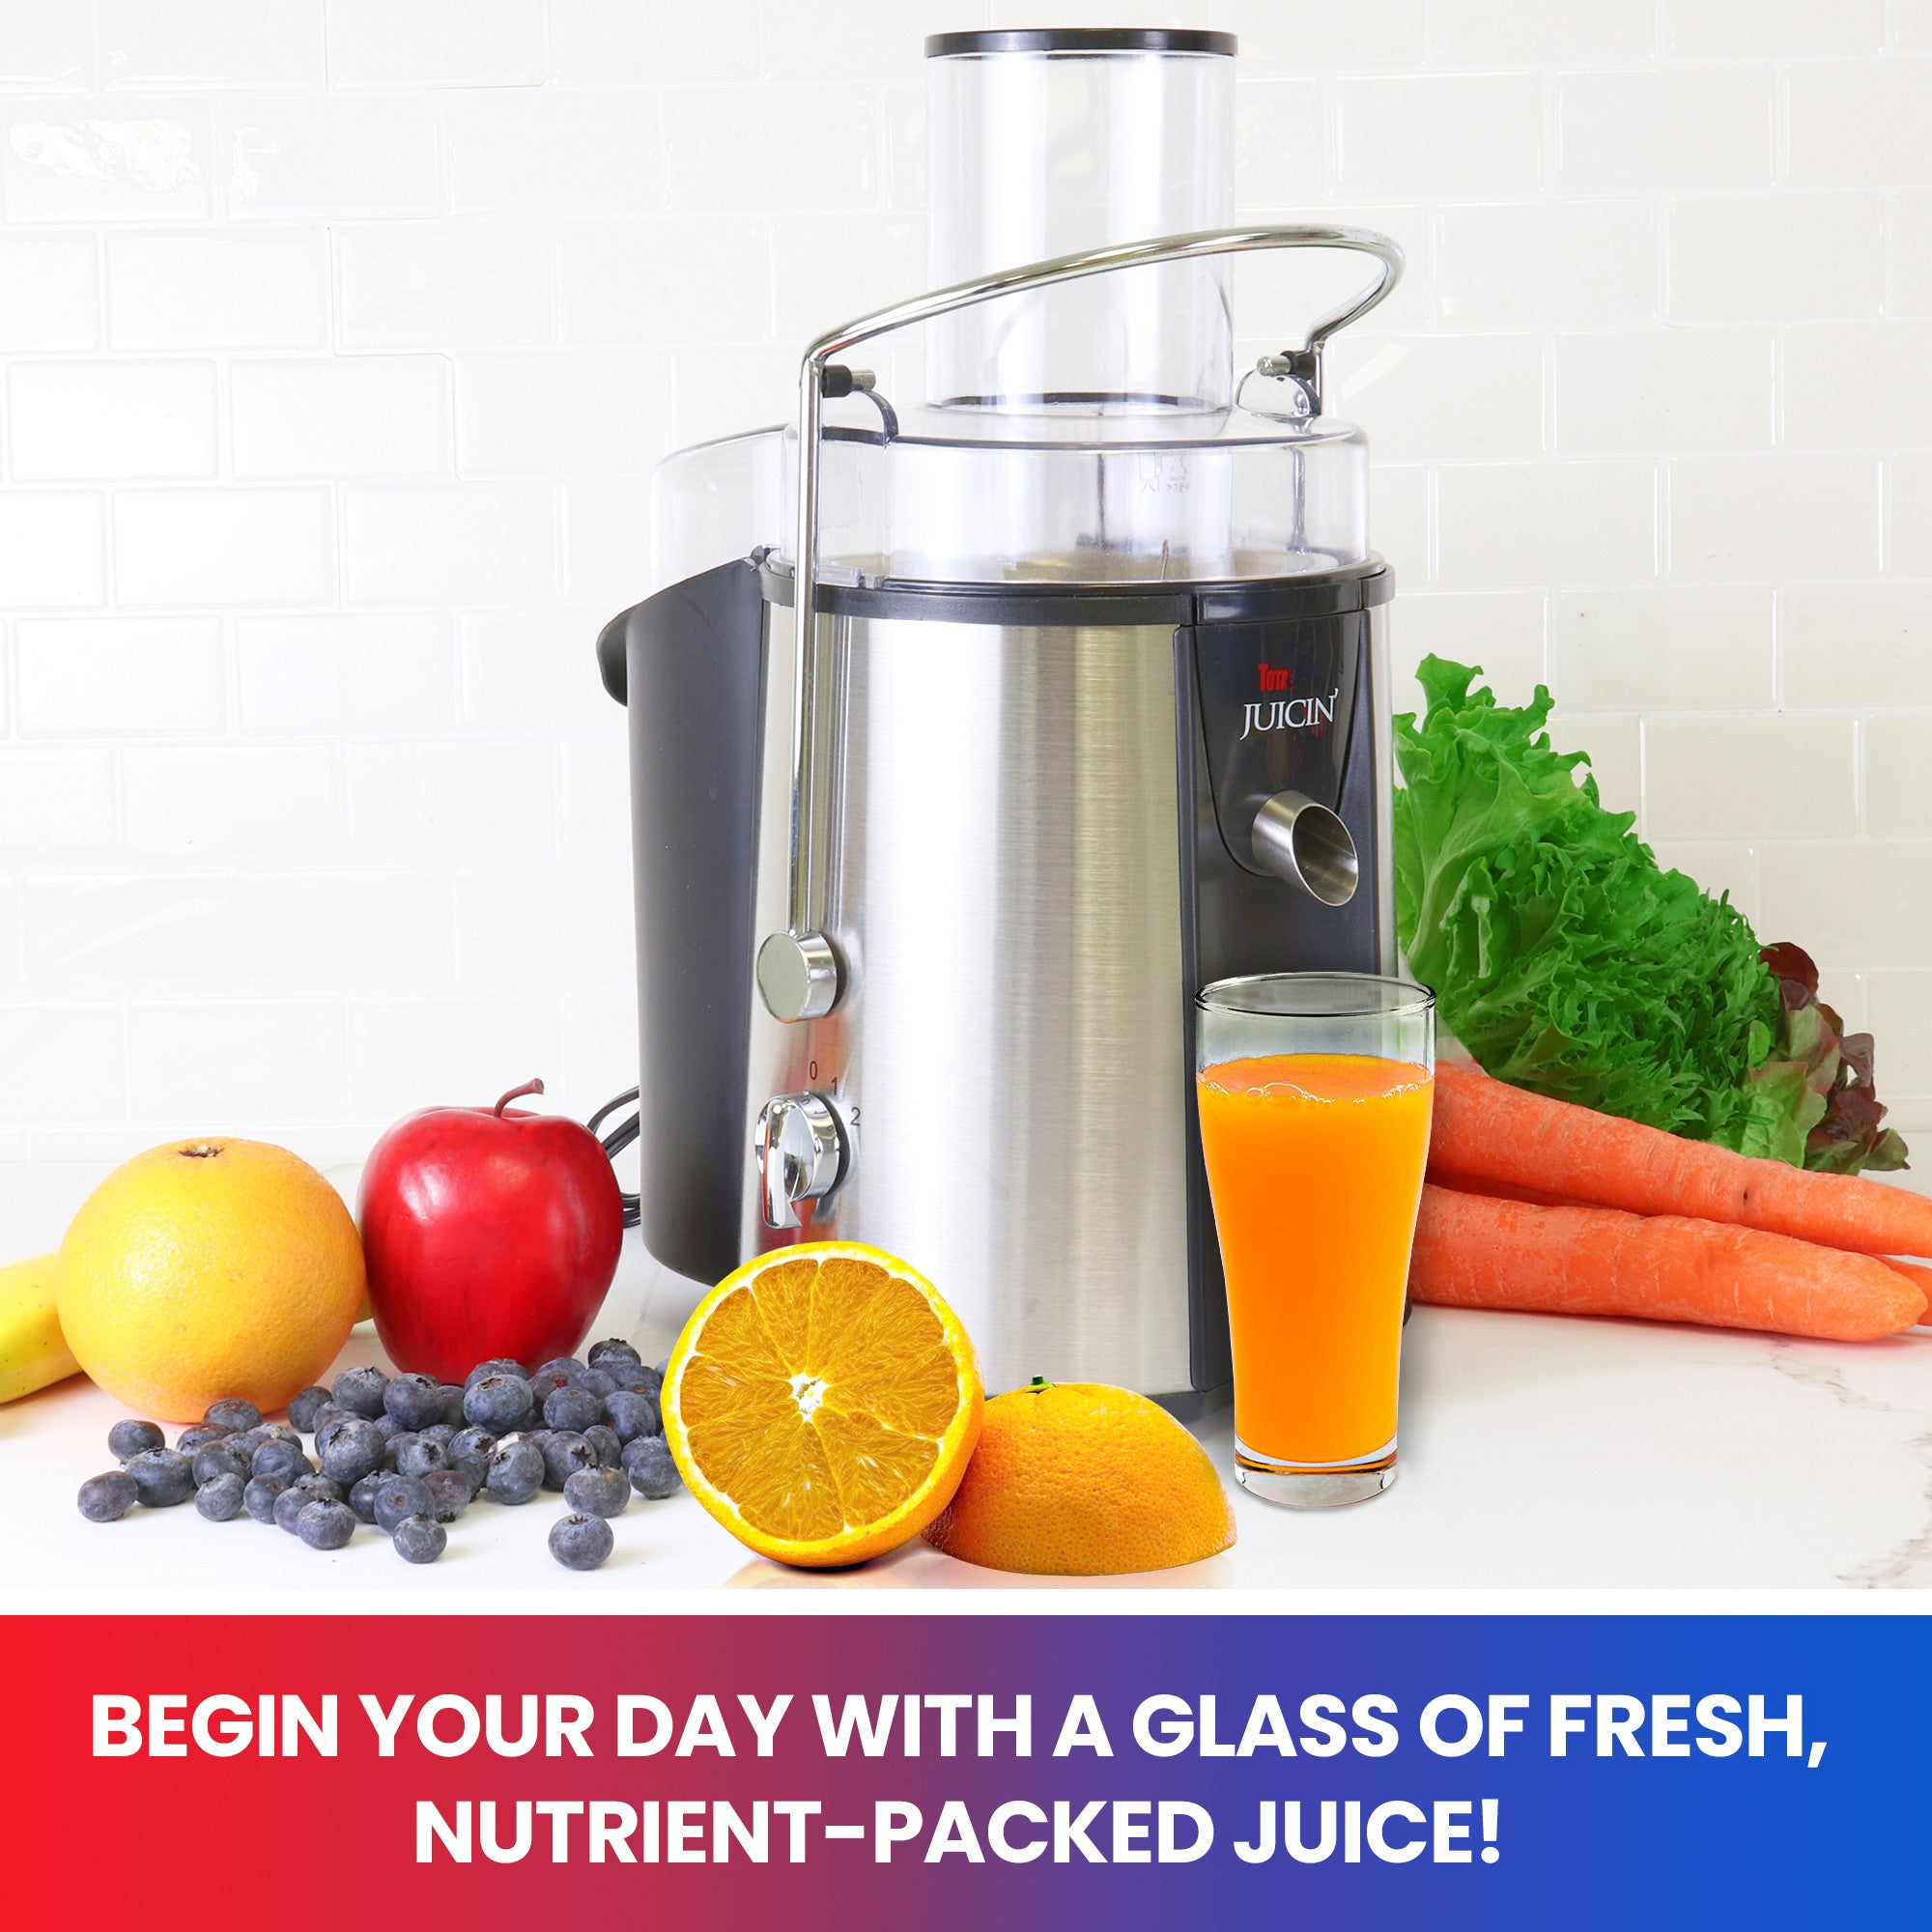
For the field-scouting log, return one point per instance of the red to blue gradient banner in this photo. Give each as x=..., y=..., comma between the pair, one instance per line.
x=865, y=1771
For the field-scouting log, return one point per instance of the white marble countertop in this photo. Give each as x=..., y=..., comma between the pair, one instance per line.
x=1537, y=1452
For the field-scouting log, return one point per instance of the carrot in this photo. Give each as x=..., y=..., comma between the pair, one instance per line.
x=1473, y=1251
x=1487, y=1132
x=1920, y=1277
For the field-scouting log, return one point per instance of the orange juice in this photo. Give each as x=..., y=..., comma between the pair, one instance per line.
x=1315, y=1164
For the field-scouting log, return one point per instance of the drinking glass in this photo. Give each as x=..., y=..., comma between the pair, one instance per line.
x=1315, y=1092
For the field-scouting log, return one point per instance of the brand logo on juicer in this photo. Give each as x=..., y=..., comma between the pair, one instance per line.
x=1275, y=678
x=1289, y=714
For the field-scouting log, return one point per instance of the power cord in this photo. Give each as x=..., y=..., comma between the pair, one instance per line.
x=618, y=1140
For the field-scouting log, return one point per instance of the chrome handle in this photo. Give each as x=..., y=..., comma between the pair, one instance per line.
x=800, y=1153
x=810, y=964
x=1308, y=845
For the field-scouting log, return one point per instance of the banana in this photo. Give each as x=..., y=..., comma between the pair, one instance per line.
x=33, y=1350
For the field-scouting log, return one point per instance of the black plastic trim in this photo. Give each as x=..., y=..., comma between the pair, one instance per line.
x=1082, y=41
x=1356, y=587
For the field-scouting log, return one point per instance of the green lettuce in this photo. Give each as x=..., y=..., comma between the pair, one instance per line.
x=1567, y=960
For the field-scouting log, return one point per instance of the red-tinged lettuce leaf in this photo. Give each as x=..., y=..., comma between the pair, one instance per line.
x=1568, y=961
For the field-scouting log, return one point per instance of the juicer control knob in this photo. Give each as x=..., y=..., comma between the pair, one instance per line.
x=800, y=1149
x=1309, y=846
x=798, y=975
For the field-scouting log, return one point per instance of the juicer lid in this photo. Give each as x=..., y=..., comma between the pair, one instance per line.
x=1081, y=41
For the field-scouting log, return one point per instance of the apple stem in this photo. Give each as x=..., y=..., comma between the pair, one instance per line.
x=516, y=1093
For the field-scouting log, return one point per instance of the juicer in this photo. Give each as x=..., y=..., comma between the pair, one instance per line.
x=980, y=717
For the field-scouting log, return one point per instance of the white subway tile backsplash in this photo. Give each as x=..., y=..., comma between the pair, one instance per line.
x=612, y=42
x=1853, y=905
x=826, y=269
x=597, y=796
x=198, y=1066
x=52, y=549
x=1774, y=516
x=254, y=291
x=1529, y=523
x=535, y=926
x=606, y=527
x=1619, y=392
x=458, y=1051
x=1398, y=513
x=1442, y=395
x=1513, y=31
x=362, y=415
x=1664, y=127
x=1895, y=1007
x=876, y=37
x=733, y=148
x=436, y=42
x=1859, y=124
x=576, y=412
x=431, y=288
x=519, y=152
x=55, y=806
x=1745, y=258
x=48, y=45
x=49, y=291
x=211, y=44
x=347, y=674
x=1782, y=775
x=1911, y=253
x=1279, y=141
x=1460, y=134
x=455, y=542
x=62, y=1061
x=474, y=800
x=1511, y=264
x=1898, y=775
x=93, y=934
x=1500, y=631
x=1615, y=750
x=227, y=803
x=1858, y=383
x=223, y=547
x=1908, y=550
x=325, y=931
x=1685, y=647
x=98, y=677
x=691, y=279
x=1300, y=34
x=115, y=159
x=525, y=670
x=1738, y=29
x=330, y=155
x=68, y=420
x=1855, y=643
x=1720, y=867
x=600, y=1047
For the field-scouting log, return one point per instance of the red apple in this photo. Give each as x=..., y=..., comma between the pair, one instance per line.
x=487, y=1232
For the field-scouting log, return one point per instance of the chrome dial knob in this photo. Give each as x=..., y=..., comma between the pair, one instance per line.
x=800, y=1149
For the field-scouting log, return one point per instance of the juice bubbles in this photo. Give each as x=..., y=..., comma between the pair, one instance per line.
x=1315, y=1163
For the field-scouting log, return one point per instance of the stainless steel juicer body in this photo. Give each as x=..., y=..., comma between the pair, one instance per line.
x=934, y=847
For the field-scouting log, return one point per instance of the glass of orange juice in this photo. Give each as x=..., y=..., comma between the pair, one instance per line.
x=1315, y=1092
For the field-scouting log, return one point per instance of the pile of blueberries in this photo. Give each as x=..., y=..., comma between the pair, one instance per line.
x=410, y=1455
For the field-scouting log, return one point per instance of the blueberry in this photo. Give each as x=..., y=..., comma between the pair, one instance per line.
x=419, y=1456
x=606, y=1354
x=325, y=1526
x=414, y=1400
x=248, y=1442
x=277, y=1459
x=103, y=1498
x=361, y=1497
x=563, y=1450
x=191, y=1440
x=360, y=1391
x=598, y=1491
x=641, y=1381
x=653, y=1475
x=306, y=1407
x=566, y=1366
x=449, y=1494
x=351, y=1449
x=234, y=1411
x=297, y=1497
x=224, y=1459
x=469, y=1451
x=398, y=1497
x=633, y=1413
x=127, y=1440
x=259, y=1497
x=164, y=1477
x=392, y=1449
x=280, y=1432
x=329, y=1411
x=441, y=1433
x=516, y=1470
x=580, y=1542
x=572, y=1409
x=496, y=1365
x=419, y=1539
x=604, y=1445
x=498, y=1403
x=220, y=1499
x=597, y=1383
x=391, y=1427
x=452, y=1405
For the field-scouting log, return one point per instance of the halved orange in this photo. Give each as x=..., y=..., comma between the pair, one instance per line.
x=822, y=1403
